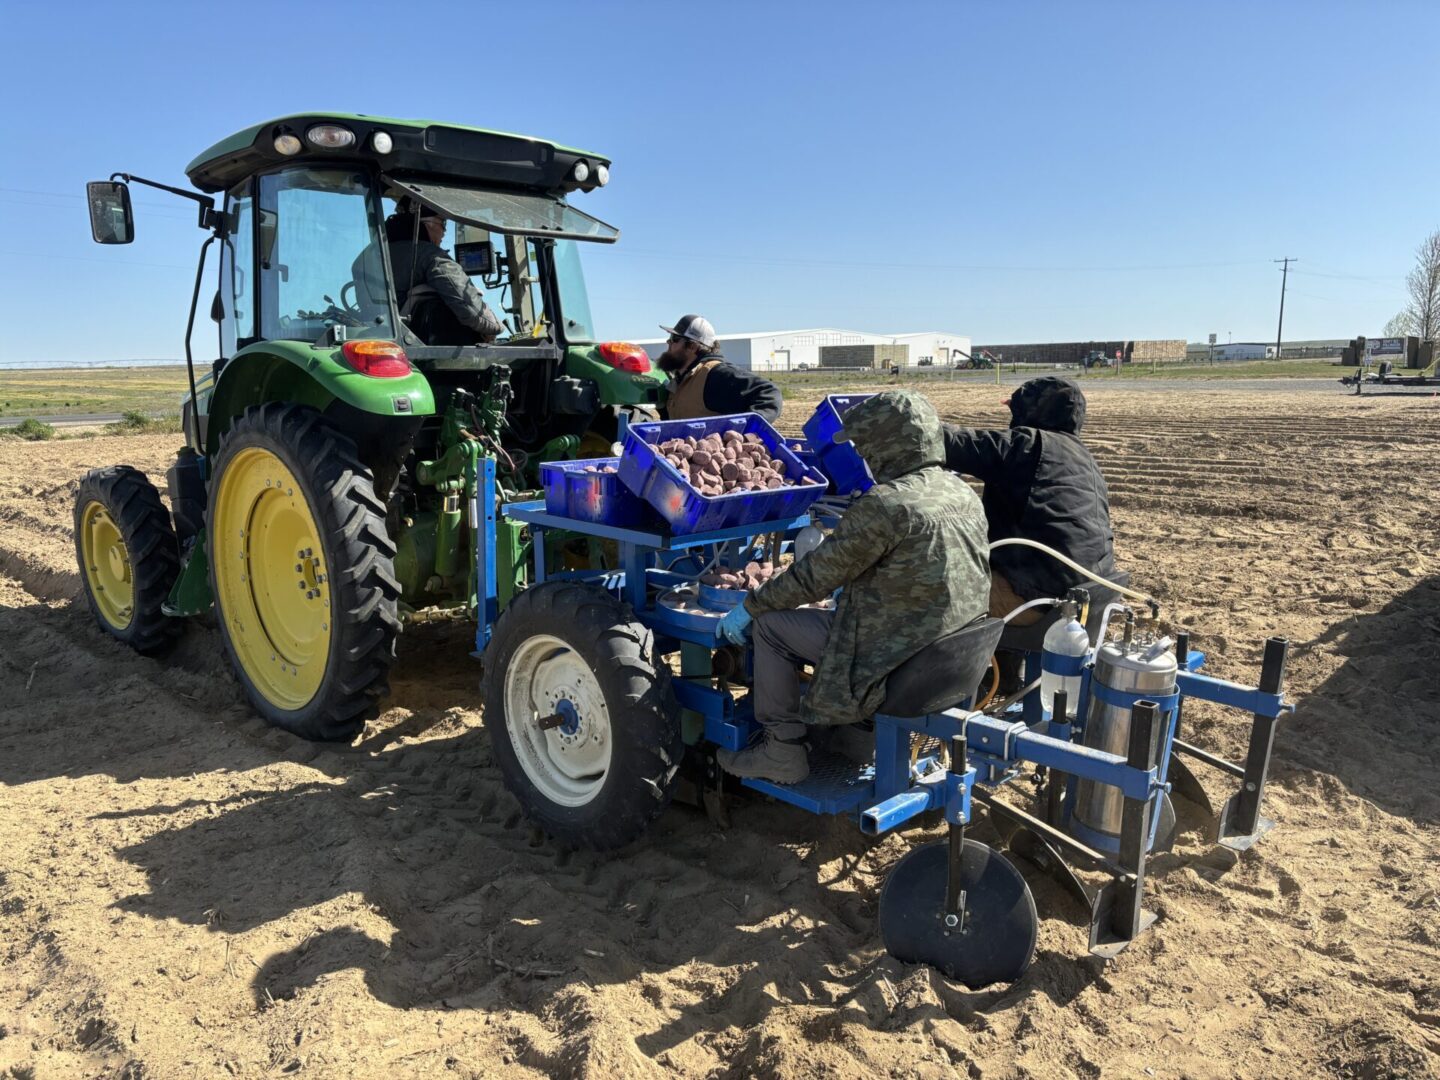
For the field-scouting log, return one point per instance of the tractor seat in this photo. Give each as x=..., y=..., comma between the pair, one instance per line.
x=944, y=673
x=1032, y=638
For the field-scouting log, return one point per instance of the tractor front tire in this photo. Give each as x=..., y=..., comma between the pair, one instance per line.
x=129, y=559
x=302, y=569
x=582, y=721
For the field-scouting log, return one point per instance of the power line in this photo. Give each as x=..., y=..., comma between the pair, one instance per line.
x=92, y=258
x=871, y=264
x=72, y=195
x=1352, y=277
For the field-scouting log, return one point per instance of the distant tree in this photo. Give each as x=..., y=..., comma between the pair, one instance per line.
x=1399, y=326
x=1421, y=314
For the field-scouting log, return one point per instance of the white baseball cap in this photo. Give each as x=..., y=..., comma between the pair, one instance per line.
x=694, y=328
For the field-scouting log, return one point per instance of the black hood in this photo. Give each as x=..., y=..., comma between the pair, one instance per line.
x=1049, y=403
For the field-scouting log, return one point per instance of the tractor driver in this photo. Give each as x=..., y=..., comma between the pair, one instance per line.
x=1041, y=484
x=436, y=297
x=910, y=555
x=703, y=384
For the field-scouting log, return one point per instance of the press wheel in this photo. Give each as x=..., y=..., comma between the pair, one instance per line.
x=997, y=938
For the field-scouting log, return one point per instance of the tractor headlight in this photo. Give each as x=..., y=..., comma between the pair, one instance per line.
x=602, y=174
x=581, y=172
x=288, y=145
x=382, y=142
x=330, y=136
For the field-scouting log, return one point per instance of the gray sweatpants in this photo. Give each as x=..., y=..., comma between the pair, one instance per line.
x=783, y=641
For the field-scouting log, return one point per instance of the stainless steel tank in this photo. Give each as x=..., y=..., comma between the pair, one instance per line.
x=1140, y=669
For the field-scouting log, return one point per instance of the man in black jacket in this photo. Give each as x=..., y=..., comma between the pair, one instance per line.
x=1041, y=484
x=703, y=384
x=437, y=298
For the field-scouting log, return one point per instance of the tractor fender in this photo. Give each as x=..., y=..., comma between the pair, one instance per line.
x=296, y=372
x=616, y=387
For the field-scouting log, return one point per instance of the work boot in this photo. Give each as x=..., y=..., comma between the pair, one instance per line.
x=781, y=761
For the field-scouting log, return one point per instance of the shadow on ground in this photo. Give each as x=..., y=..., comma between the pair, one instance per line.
x=1374, y=724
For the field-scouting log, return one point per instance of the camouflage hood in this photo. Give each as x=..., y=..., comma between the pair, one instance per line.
x=896, y=432
x=910, y=555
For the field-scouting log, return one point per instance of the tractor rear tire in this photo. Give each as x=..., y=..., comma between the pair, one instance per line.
x=302, y=568
x=607, y=768
x=129, y=559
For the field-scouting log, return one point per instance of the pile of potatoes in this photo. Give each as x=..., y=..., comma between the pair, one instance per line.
x=752, y=576
x=726, y=462
x=601, y=469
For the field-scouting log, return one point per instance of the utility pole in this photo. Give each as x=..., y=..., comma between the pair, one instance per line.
x=1284, y=277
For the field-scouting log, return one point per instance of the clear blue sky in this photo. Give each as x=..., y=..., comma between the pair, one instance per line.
x=1015, y=172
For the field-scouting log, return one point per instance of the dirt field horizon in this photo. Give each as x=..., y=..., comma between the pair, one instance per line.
x=185, y=892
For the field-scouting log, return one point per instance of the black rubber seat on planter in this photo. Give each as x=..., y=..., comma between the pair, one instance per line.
x=944, y=673
x=1032, y=638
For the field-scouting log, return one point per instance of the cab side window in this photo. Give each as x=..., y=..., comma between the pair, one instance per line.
x=237, y=271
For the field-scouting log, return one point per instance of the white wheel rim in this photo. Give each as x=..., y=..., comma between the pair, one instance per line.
x=567, y=764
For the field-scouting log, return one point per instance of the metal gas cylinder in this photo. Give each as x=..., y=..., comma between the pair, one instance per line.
x=1128, y=671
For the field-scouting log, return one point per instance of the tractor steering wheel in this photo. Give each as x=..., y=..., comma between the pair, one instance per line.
x=349, y=304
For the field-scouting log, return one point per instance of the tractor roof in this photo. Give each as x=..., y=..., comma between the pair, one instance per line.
x=423, y=147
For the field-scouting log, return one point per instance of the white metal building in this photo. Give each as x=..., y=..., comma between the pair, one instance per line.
x=933, y=347
x=795, y=350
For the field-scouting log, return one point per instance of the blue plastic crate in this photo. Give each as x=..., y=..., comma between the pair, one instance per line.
x=601, y=498
x=645, y=471
x=806, y=453
x=839, y=461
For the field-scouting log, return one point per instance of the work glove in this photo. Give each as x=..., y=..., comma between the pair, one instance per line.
x=735, y=626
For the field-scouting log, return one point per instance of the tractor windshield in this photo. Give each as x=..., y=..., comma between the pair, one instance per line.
x=513, y=272
x=312, y=224
x=516, y=224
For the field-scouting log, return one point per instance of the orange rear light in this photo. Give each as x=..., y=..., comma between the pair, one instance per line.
x=378, y=359
x=623, y=356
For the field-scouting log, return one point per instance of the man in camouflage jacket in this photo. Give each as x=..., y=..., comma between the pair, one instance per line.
x=911, y=556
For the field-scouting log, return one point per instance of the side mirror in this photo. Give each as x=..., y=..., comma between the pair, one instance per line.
x=111, y=220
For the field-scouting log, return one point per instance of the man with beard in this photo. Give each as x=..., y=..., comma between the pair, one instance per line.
x=701, y=382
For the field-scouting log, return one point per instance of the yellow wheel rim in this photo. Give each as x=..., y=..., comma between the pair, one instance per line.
x=107, y=566
x=271, y=578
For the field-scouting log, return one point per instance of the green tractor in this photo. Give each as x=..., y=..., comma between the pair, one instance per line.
x=973, y=361
x=333, y=461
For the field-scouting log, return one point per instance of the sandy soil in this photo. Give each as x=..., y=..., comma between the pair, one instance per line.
x=185, y=892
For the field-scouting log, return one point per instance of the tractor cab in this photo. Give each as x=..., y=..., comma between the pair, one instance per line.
x=303, y=211
x=309, y=257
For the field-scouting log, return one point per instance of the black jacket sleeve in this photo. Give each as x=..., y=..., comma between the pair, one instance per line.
x=728, y=390
x=983, y=454
x=444, y=275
